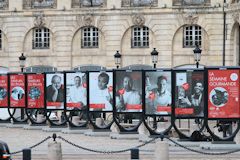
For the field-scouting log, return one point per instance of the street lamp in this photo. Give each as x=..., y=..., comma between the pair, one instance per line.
x=197, y=55
x=22, y=61
x=117, y=58
x=154, y=55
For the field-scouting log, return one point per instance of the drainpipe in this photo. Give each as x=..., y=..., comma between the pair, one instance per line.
x=224, y=31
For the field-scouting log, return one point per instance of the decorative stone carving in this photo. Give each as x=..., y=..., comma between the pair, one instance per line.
x=138, y=20
x=235, y=17
x=190, y=18
x=88, y=20
x=39, y=20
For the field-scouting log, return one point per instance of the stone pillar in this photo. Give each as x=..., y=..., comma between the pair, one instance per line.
x=161, y=150
x=40, y=118
x=54, y=151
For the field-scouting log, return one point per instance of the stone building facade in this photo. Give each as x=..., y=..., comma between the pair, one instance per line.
x=68, y=33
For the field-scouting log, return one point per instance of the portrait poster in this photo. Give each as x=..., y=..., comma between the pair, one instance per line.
x=101, y=91
x=223, y=93
x=17, y=91
x=76, y=91
x=35, y=91
x=3, y=91
x=128, y=91
x=189, y=93
x=158, y=96
x=55, y=90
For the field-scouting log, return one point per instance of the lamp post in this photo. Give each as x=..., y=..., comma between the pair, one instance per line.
x=154, y=55
x=197, y=55
x=22, y=61
x=117, y=58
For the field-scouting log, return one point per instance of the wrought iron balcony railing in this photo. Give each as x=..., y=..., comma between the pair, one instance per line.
x=190, y=2
x=3, y=4
x=39, y=4
x=88, y=3
x=139, y=3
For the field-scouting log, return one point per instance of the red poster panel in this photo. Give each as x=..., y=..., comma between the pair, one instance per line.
x=35, y=91
x=223, y=94
x=3, y=91
x=17, y=90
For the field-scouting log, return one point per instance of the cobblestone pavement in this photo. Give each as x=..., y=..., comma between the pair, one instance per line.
x=18, y=139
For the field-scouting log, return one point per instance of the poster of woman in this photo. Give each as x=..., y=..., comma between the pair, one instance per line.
x=101, y=91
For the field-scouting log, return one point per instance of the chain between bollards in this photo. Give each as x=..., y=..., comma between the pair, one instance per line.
x=33, y=146
x=161, y=136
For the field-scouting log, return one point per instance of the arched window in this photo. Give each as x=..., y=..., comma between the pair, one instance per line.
x=140, y=37
x=41, y=38
x=192, y=36
x=89, y=37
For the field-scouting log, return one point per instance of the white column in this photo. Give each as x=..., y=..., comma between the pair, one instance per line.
x=54, y=151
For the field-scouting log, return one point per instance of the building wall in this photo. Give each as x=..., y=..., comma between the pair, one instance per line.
x=114, y=22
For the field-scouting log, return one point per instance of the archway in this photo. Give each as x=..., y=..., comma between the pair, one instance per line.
x=235, y=39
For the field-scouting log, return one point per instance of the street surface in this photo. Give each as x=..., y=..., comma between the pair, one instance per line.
x=18, y=138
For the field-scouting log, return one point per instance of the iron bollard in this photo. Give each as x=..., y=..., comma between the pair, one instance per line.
x=26, y=154
x=134, y=154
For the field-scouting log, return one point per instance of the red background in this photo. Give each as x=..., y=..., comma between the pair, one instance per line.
x=231, y=108
x=38, y=79
x=4, y=84
x=21, y=79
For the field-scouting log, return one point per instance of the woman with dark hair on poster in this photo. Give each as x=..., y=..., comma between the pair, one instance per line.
x=197, y=98
x=183, y=100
